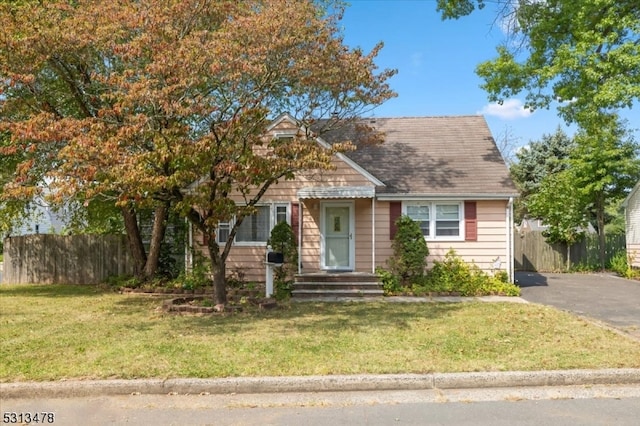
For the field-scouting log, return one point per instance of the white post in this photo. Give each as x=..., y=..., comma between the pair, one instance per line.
x=300, y=215
x=269, y=280
x=373, y=235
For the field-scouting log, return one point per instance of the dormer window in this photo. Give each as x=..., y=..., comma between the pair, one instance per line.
x=285, y=135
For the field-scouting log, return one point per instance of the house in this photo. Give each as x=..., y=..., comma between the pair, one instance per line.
x=41, y=219
x=444, y=172
x=536, y=225
x=632, y=224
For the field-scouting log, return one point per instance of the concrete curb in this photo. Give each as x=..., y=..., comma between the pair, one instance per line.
x=70, y=389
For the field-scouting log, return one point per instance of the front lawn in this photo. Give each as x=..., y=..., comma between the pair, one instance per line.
x=86, y=332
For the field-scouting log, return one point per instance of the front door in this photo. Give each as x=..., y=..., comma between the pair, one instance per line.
x=337, y=231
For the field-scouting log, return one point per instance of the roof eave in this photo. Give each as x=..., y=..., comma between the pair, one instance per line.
x=468, y=196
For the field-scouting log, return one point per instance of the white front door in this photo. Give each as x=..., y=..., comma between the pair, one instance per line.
x=337, y=236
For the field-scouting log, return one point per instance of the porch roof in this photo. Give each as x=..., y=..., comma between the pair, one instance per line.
x=337, y=192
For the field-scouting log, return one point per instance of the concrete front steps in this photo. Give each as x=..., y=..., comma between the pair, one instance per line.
x=325, y=285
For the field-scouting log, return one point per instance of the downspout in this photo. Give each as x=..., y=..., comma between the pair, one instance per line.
x=510, y=249
x=373, y=235
x=300, y=215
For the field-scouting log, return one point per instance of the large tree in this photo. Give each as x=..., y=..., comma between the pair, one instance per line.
x=583, y=54
x=170, y=100
x=55, y=60
x=593, y=176
x=537, y=160
x=584, y=58
x=605, y=165
x=562, y=208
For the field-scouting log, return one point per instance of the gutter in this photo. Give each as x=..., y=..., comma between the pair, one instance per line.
x=470, y=196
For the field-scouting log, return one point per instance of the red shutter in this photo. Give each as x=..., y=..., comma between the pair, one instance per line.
x=395, y=211
x=295, y=219
x=470, y=221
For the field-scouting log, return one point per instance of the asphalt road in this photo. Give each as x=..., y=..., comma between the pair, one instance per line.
x=566, y=405
x=607, y=298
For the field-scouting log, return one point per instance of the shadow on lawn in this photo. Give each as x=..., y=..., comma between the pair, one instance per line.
x=300, y=316
x=365, y=314
x=53, y=290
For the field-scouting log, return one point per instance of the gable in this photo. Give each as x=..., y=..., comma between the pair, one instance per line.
x=633, y=194
x=286, y=125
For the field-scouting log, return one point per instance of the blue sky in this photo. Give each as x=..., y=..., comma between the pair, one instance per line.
x=436, y=63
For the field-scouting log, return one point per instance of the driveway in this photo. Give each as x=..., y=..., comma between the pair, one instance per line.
x=608, y=298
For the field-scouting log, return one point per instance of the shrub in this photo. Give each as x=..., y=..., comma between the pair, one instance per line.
x=390, y=282
x=502, y=276
x=283, y=240
x=120, y=281
x=585, y=267
x=452, y=274
x=410, y=252
x=199, y=275
x=449, y=274
x=620, y=263
x=167, y=265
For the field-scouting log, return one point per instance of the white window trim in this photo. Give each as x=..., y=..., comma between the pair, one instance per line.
x=432, y=218
x=272, y=222
x=274, y=212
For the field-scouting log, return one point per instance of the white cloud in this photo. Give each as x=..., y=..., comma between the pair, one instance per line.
x=510, y=109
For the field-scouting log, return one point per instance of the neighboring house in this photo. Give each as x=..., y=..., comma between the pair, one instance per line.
x=444, y=172
x=536, y=225
x=41, y=219
x=632, y=228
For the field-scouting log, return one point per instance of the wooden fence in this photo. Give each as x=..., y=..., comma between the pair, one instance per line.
x=533, y=253
x=72, y=259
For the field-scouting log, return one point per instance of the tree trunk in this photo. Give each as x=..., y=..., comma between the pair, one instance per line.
x=157, y=237
x=218, y=270
x=601, y=236
x=568, y=257
x=135, y=240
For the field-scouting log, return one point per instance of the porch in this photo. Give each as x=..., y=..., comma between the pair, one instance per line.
x=337, y=230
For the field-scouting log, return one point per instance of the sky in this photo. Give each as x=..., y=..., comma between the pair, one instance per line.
x=436, y=63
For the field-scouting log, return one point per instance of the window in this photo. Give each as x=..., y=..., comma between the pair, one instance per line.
x=420, y=213
x=447, y=220
x=256, y=228
x=223, y=232
x=281, y=213
x=438, y=221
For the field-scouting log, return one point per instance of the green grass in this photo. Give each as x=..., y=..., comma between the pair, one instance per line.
x=84, y=332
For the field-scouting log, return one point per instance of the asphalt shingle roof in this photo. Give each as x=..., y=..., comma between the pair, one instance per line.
x=439, y=156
